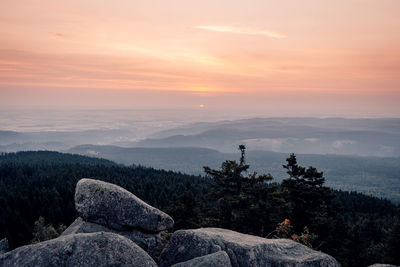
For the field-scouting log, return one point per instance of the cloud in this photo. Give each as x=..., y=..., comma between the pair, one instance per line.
x=273, y=144
x=311, y=140
x=58, y=35
x=242, y=30
x=341, y=143
x=386, y=149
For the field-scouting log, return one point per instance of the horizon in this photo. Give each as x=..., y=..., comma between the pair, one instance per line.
x=60, y=119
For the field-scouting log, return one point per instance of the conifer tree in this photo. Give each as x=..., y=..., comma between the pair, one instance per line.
x=311, y=203
x=185, y=209
x=243, y=201
x=392, y=245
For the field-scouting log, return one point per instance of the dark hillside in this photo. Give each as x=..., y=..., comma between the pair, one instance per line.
x=51, y=157
x=376, y=176
x=34, y=184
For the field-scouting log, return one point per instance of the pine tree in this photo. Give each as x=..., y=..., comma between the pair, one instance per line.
x=310, y=203
x=243, y=201
x=43, y=232
x=392, y=245
x=185, y=209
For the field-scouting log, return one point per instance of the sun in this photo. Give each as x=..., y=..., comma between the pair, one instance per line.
x=201, y=106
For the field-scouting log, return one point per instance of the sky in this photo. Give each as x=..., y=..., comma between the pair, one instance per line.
x=306, y=58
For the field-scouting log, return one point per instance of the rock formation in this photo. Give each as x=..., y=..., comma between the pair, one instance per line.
x=243, y=250
x=152, y=243
x=112, y=206
x=217, y=259
x=382, y=265
x=115, y=228
x=96, y=249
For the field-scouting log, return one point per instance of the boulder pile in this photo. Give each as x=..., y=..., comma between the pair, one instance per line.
x=116, y=228
x=95, y=249
x=382, y=265
x=112, y=206
x=107, y=207
x=242, y=249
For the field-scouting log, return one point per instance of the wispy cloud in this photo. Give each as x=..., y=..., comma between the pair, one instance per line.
x=242, y=30
x=341, y=143
x=59, y=35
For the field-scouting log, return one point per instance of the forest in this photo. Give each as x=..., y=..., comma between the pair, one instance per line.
x=358, y=230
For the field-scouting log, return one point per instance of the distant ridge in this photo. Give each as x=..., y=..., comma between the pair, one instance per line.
x=375, y=176
x=50, y=157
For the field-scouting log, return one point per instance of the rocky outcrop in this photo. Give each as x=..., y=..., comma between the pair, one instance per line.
x=3, y=245
x=243, y=250
x=150, y=242
x=382, y=265
x=118, y=229
x=112, y=206
x=217, y=259
x=96, y=249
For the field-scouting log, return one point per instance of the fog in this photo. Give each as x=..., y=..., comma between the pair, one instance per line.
x=58, y=129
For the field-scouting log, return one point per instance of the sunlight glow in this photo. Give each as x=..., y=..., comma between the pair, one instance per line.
x=242, y=30
x=280, y=51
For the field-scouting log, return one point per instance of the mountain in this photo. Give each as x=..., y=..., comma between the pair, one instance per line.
x=370, y=175
x=51, y=157
x=347, y=150
x=185, y=159
x=11, y=141
x=365, y=137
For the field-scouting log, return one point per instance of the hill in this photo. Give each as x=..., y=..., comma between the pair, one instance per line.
x=51, y=157
x=34, y=184
x=364, y=137
x=375, y=176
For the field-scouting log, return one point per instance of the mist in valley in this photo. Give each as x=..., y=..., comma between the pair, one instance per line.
x=64, y=129
x=356, y=154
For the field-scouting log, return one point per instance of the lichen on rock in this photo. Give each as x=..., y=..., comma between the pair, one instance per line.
x=114, y=207
x=242, y=249
x=217, y=259
x=95, y=249
x=150, y=242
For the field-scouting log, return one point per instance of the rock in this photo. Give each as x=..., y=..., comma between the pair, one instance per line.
x=3, y=245
x=382, y=265
x=96, y=249
x=217, y=259
x=243, y=250
x=112, y=206
x=150, y=242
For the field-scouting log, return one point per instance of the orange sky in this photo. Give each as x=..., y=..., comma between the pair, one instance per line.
x=308, y=57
